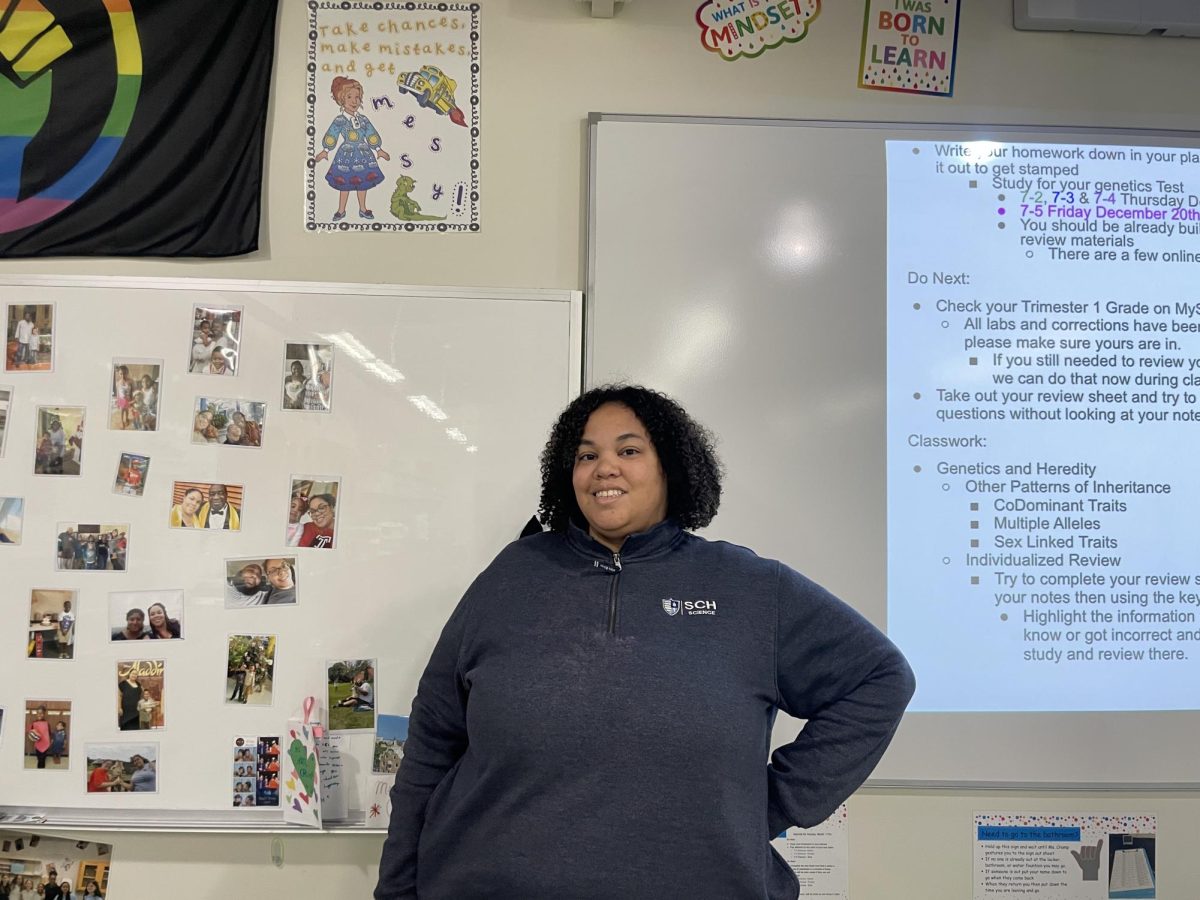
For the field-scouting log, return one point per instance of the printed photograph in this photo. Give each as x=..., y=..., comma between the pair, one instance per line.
x=1131, y=865
x=29, y=337
x=77, y=868
x=254, y=772
x=243, y=772
x=12, y=519
x=132, y=471
x=200, y=504
x=121, y=768
x=58, y=448
x=140, y=694
x=268, y=769
x=250, y=667
x=6, y=394
x=216, y=340
x=145, y=615
x=308, y=377
x=390, y=734
x=91, y=547
x=52, y=624
x=260, y=582
x=47, y=734
x=312, y=512
x=233, y=423
x=133, y=394
x=351, y=694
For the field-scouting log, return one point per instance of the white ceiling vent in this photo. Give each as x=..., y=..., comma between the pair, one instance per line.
x=1173, y=18
x=605, y=9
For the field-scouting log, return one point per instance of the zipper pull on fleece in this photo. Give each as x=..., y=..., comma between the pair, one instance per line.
x=615, y=567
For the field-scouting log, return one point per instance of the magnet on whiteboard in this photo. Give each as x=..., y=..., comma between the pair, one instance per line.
x=277, y=852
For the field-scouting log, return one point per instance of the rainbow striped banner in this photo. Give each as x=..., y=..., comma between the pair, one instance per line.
x=97, y=152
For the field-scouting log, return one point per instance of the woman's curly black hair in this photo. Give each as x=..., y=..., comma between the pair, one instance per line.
x=684, y=448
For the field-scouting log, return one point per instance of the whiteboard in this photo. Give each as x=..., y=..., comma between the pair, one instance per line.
x=740, y=265
x=441, y=400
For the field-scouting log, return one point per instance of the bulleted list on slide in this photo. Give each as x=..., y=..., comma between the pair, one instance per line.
x=1043, y=312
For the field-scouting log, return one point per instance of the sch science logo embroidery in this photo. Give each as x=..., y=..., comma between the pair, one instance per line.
x=673, y=607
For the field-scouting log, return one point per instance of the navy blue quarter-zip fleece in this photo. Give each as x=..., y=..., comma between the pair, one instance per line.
x=594, y=726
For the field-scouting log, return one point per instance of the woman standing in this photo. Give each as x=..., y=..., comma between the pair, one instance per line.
x=183, y=513
x=354, y=167
x=202, y=347
x=623, y=676
x=293, y=387
x=131, y=693
x=39, y=736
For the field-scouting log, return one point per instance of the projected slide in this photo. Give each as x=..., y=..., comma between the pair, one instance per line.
x=1043, y=305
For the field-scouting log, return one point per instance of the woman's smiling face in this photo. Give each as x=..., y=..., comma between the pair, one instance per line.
x=618, y=478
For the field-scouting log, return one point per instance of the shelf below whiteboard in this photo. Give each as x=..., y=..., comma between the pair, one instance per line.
x=159, y=821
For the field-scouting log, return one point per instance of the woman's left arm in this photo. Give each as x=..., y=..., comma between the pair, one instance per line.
x=840, y=673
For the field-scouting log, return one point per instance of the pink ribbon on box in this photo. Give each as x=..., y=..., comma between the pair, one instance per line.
x=309, y=703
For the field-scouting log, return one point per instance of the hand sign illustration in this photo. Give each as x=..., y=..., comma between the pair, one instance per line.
x=1088, y=858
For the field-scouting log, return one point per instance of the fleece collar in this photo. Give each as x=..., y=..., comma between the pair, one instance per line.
x=643, y=545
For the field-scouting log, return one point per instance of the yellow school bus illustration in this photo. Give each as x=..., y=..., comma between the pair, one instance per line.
x=431, y=86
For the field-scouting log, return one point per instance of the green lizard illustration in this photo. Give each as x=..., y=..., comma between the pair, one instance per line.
x=405, y=207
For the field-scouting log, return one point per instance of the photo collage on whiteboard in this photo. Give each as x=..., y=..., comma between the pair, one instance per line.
x=155, y=404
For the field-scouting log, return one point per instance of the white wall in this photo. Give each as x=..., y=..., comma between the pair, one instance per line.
x=547, y=64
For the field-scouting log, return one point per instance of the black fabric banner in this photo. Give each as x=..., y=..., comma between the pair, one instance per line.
x=133, y=127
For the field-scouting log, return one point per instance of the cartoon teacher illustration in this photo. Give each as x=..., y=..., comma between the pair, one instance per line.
x=354, y=166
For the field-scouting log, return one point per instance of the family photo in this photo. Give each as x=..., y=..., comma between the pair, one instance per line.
x=216, y=340
x=133, y=394
x=140, y=684
x=47, y=734
x=120, y=768
x=29, y=345
x=351, y=694
x=312, y=512
x=260, y=582
x=145, y=615
x=52, y=624
x=58, y=447
x=132, y=471
x=233, y=423
x=12, y=519
x=197, y=504
x=250, y=668
x=92, y=547
x=308, y=377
